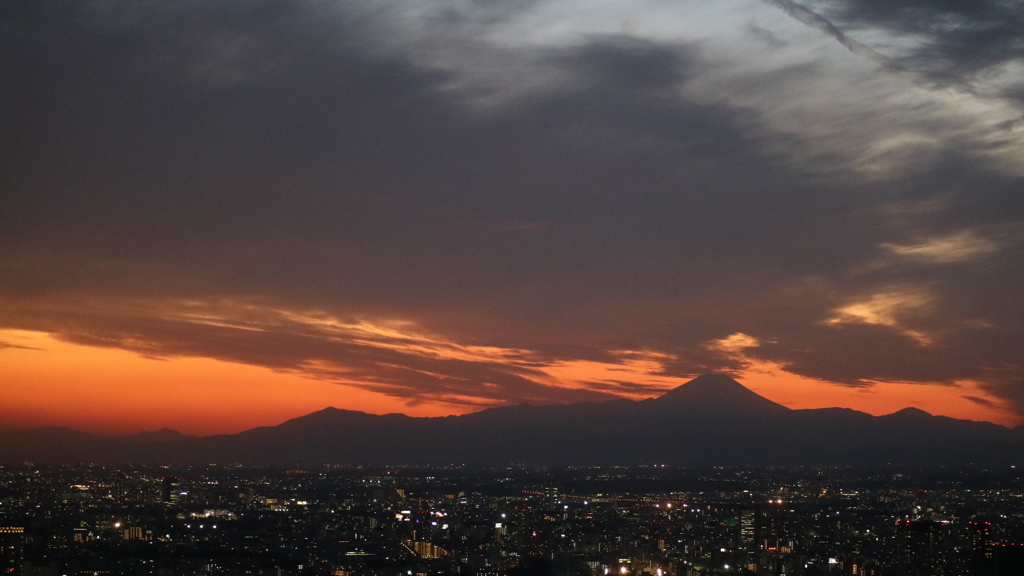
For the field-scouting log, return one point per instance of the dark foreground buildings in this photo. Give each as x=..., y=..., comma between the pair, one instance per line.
x=641, y=521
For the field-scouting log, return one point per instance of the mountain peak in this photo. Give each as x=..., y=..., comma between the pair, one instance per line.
x=718, y=391
x=910, y=413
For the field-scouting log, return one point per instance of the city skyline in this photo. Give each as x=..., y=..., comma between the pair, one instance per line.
x=512, y=520
x=217, y=217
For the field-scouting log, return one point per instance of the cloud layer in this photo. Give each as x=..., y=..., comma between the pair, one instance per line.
x=451, y=200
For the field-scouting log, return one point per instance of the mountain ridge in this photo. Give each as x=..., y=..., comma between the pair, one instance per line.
x=710, y=420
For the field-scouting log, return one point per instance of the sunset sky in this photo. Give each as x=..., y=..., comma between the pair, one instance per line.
x=220, y=215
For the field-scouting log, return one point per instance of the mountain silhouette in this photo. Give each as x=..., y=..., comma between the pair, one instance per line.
x=710, y=420
x=717, y=393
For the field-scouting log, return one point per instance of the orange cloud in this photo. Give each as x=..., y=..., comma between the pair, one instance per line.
x=108, y=390
x=956, y=401
x=103, y=389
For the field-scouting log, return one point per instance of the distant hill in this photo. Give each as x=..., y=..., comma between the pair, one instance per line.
x=711, y=420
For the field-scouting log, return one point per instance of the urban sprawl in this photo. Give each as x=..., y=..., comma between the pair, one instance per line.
x=519, y=520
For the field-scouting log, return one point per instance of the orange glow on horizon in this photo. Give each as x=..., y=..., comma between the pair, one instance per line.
x=49, y=382
x=798, y=392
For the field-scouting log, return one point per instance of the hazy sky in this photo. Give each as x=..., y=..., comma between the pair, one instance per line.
x=220, y=214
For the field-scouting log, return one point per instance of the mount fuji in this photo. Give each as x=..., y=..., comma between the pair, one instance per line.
x=712, y=420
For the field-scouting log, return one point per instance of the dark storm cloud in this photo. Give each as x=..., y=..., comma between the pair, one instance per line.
x=331, y=157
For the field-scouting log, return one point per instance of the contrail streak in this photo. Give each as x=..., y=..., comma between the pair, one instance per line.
x=815, y=20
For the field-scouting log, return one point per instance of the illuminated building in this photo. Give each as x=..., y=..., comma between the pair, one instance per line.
x=551, y=491
x=171, y=493
x=922, y=548
x=750, y=537
x=982, y=552
x=12, y=549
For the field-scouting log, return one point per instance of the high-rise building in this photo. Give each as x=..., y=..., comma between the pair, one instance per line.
x=12, y=550
x=551, y=490
x=750, y=528
x=922, y=548
x=171, y=492
x=982, y=552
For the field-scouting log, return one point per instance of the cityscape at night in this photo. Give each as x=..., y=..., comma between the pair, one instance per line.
x=316, y=496
x=515, y=520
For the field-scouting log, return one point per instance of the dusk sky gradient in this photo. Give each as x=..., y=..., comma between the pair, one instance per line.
x=219, y=215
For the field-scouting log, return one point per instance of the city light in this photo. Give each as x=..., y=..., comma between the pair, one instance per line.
x=341, y=530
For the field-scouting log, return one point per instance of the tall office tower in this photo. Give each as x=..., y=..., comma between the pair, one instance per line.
x=750, y=529
x=12, y=550
x=982, y=552
x=171, y=492
x=921, y=547
x=551, y=491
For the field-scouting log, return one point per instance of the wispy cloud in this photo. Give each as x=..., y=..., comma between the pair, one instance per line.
x=960, y=247
x=392, y=357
